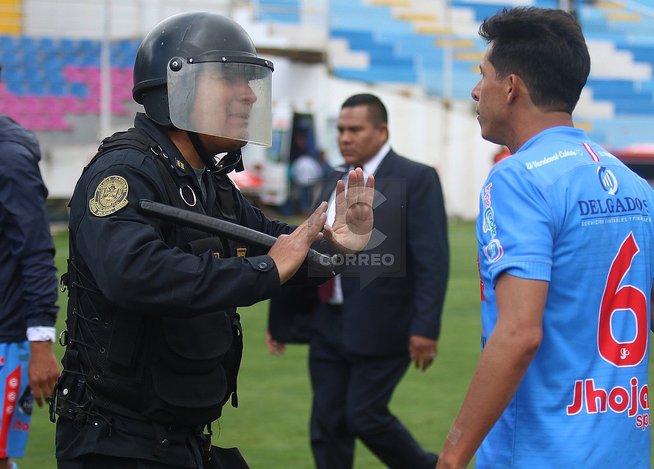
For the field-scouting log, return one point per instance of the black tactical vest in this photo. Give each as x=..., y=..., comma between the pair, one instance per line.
x=169, y=369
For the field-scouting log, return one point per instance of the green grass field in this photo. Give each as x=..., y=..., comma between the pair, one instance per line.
x=271, y=424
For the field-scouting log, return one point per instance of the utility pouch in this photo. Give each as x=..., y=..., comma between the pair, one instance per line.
x=291, y=314
x=224, y=458
x=215, y=457
x=213, y=244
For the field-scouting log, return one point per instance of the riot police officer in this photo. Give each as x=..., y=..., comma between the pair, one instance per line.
x=153, y=340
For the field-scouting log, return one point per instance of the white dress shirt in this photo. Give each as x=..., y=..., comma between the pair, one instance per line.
x=370, y=167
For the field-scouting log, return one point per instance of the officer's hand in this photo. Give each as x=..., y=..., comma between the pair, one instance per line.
x=289, y=250
x=423, y=351
x=274, y=347
x=353, y=219
x=42, y=371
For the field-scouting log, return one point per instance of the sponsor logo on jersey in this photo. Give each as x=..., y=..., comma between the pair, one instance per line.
x=612, y=205
x=607, y=180
x=612, y=209
x=489, y=222
x=21, y=426
x=535, y=164
x=489, y=216
x=591, y=399
x=493, y=250
x=487, y=195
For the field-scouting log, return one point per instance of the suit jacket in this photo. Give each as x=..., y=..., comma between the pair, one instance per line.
x=395, y=287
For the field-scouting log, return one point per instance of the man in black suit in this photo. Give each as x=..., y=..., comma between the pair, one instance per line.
x=384, y=311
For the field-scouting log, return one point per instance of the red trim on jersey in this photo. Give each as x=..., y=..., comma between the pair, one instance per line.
x=591, y=152
x=12, y=386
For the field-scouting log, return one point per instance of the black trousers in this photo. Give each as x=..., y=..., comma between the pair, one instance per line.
x=350, y=400
x=108, y=440
x=101, y=461
x=222, y=458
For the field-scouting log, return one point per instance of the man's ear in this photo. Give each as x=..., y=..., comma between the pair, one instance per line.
x=385, y=129
x=515, y=87
x=510, y=87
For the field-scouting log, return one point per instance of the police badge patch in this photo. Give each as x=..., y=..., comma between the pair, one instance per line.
x=110, y=196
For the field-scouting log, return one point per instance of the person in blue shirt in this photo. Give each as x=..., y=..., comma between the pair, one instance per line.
x=566, y=259
x=28, y=311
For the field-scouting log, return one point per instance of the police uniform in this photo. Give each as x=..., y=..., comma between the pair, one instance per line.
x=154, y=342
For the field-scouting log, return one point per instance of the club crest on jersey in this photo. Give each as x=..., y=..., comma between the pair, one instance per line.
x=110, y=196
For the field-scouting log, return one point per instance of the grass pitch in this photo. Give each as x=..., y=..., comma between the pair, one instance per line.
x=271, y=424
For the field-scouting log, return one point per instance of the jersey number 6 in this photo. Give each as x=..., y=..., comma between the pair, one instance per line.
x=624, y=299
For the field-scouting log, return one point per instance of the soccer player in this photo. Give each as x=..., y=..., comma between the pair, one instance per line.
x=566, y=258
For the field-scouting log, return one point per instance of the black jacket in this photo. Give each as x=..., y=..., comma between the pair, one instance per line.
x=153, y=332
x=396, y=286
x=27, y=272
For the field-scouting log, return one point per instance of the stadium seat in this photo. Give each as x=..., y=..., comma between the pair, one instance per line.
x=279, y=11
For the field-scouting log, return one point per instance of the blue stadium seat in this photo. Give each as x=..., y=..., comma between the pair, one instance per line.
x=622, y=130
x=79, y=90
x=347, y=14
x=379, y=74
x=67, y=46
x=47, y=47
x=8, y=44
x=624, y=94
x=279, y=11
x=57, y=88
x=19, y=88
x=27, y=46
x=123, y=53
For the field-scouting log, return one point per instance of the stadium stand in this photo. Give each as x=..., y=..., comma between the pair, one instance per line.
x=437, y=43
x=621, y=41
x=418, y=43
x=44, y=80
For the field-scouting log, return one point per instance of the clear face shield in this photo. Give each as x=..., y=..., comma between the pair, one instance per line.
x=224, y=96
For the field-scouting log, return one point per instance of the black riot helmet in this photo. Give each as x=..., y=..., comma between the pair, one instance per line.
x=200, y=72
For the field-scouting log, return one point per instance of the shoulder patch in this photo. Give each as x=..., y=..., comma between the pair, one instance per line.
x=110, y=196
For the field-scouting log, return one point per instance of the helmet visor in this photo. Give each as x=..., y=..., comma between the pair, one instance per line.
x=225, y=99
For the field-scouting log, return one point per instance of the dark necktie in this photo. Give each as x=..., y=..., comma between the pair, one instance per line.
x=326, y=291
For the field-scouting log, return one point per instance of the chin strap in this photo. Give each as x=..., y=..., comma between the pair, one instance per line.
x=232, y=160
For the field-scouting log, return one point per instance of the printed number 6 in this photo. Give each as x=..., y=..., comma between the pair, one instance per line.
x=625, y=298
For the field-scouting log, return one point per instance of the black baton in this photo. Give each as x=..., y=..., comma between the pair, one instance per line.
x=230, y=230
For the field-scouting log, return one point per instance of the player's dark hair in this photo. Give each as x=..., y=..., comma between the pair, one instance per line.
x=376, y=109
x=544, y=47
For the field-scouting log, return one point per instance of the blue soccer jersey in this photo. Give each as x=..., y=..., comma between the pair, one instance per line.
x=565, y=211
